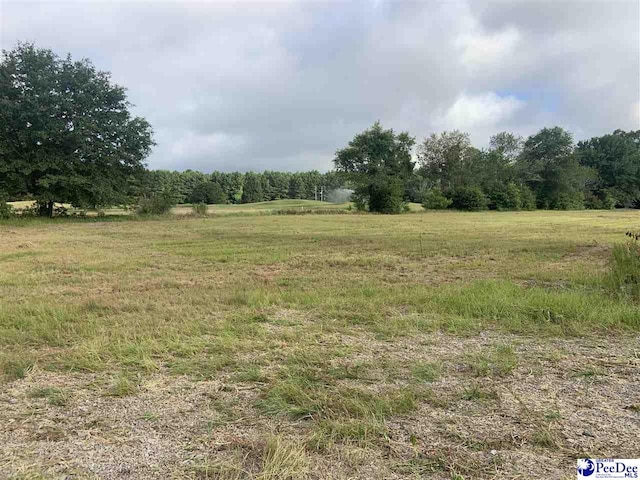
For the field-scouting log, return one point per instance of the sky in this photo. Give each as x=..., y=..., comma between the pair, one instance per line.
x=282, y=85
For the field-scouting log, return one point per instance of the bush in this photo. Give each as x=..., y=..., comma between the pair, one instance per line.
x=527, y=198
x=386, y=195
x=6, y=210
x=208, y=193
x=624, y=268
x=567, y=201
x=605, y=201
x=470, y=199
x=156, y=204
x=434, y=199
x=505, y=197
x=199, y=209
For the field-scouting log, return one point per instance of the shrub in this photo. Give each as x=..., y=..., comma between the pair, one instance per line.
x=359, y=201
x=156, y=204
x=604, y=201
x=6, y=210
x=386, y=195
x=199, y=209
x=609, y=202
x=567, y=201
x=434, y=199
x=469, y=198
x=505, y=197
x=208, y=192
x=527, y=198
x=624, y=268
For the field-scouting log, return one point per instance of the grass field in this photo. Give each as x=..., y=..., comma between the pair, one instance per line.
x=274, y=206
x=441, y=345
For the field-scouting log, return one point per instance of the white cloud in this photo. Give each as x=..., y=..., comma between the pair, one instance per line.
x=481, y=49
x=192, y=144
x=486, y=109
x=283, y=85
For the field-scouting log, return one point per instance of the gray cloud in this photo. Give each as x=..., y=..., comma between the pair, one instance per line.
x=282, y=85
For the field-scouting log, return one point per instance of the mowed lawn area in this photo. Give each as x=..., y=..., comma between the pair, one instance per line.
x=438, y=345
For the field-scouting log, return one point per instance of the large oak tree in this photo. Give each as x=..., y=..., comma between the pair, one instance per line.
x=66, y=133
x=379, y=165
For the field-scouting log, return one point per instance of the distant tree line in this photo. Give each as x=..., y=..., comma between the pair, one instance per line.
x=219, y=187
x=547, y=171
x=67, y=136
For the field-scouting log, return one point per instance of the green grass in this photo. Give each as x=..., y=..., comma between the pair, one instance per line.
x=189, y=295
x=337, y=324
x=497, y=362
x=55, y=396
x=426, y=372
x=273, y=206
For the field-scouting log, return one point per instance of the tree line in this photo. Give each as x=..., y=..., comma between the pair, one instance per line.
x=547, y=170
x=67, y=136
x=221, y=187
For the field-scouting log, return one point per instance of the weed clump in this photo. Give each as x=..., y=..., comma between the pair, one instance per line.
x=199, y=209
x=624, y=268
x=156, y=204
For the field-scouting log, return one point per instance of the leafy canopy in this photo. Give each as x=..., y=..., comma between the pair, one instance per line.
x=616, y=160
x=66, y=133
x=378, y=163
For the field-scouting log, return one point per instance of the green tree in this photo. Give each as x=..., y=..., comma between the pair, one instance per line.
x=616, y=160
x=548, y=165
x=297, y=186
x=469, y=198
x=504, y=196
x=232, y=185
x=208, y=192
x=66, y=134
x=486, y=168
x=434, y=199
x=252, y=191
x=186, y=182
x=507, y=144
x=6, y=210
x=445, y=159
x=278, y=185
x=378, y=163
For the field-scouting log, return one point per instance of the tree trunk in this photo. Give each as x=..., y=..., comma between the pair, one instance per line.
x=46, y=209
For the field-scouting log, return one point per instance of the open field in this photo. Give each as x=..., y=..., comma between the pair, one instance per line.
x=441, y=345
x=237, y=209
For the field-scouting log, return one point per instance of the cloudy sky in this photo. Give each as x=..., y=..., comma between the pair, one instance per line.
x=282, y=85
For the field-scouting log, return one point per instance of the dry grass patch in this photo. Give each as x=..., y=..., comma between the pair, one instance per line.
x=347, y=346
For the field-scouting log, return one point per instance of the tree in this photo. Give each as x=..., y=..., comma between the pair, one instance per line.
x=252, y=191
x=66, y=134
x=378, y=163
x=278, y=185
x=187, y=181
x=445, y=159
x=434, y=199
x=504, y=196
x=297, y=186
x=232, y=185
x=488, y=168
x=208, y=192
x=507, y=144
x=615, y=158
x=469, y=198
x=548, y=165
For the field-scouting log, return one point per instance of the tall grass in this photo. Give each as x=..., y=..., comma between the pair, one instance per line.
x=624, y=270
